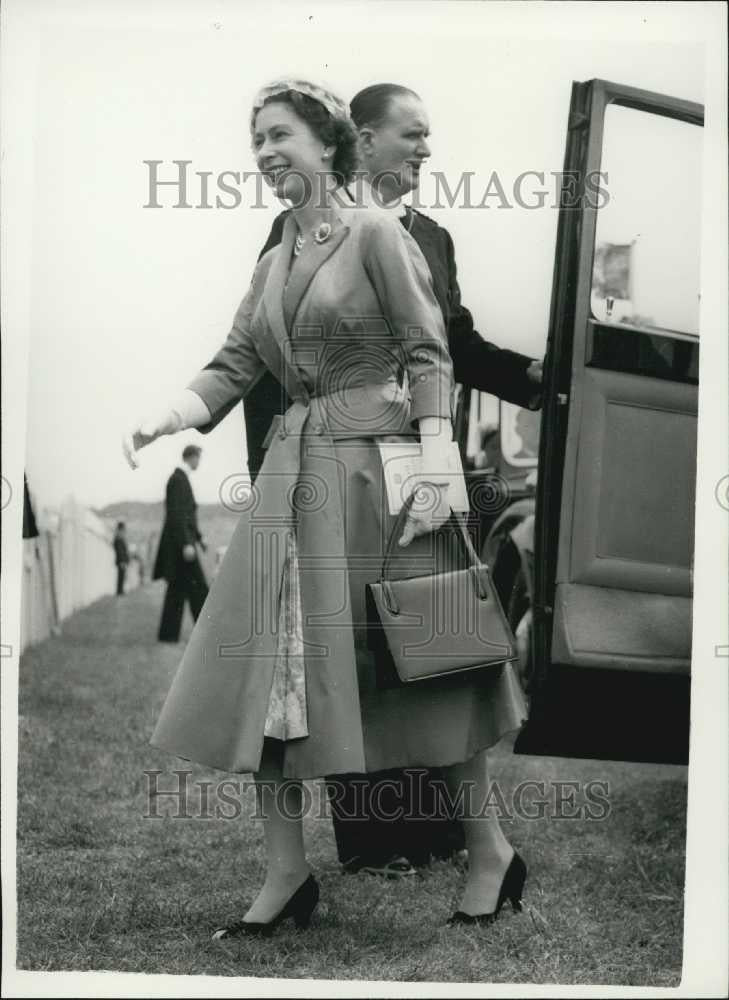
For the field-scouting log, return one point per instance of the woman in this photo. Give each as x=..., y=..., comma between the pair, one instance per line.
x=278, y=678
x=394, y=143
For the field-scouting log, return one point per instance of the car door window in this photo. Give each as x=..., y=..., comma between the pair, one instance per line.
x=519, y=434
x=646, y=255
x=482, y=440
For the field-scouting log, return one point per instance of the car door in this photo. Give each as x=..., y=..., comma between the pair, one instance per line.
x=611, y=638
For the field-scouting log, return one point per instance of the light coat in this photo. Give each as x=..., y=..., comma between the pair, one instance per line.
x=354, y=334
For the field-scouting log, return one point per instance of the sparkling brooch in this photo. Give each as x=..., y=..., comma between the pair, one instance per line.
x=322, y=233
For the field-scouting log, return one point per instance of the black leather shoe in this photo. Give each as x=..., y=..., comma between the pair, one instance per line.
x=300, y=907
x=511, y=889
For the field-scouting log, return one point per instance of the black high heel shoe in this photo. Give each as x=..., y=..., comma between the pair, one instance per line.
x=511, y=889
x=300, y=906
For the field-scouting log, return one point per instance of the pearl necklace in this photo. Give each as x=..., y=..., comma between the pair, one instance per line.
x=321, y=234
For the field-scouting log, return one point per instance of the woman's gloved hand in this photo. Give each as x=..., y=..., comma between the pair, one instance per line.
x=146, y=431
x=188, y=410
x=430, y=510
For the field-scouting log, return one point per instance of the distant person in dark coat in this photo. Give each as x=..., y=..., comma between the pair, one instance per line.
x=177, y=560
x=121, y=554
x=30, y=528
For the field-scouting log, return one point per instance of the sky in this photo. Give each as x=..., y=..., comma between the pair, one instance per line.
x=121, y=304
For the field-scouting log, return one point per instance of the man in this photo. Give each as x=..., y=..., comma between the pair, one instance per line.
x=121, y=555
x=177, y=560
x=394, y=129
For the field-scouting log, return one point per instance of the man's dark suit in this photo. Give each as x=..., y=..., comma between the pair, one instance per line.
x=477, y=364
x=185, y=580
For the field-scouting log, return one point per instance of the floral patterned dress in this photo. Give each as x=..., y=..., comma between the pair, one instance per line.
x=286, y=717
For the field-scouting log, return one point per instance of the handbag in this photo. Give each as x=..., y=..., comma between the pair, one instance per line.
x=436, y=625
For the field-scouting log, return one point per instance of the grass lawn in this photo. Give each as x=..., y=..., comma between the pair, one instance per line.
x=101, y=887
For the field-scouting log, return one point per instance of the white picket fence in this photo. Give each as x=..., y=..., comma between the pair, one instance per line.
x=67, y=567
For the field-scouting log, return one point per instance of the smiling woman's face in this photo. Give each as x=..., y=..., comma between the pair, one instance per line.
x=287, y=150
x=398, y=146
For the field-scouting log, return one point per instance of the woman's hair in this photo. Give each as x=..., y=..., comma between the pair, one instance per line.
x=372, y=105
x=323, y=116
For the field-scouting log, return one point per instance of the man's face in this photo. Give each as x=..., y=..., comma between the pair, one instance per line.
x=397, y=149
x=193, y=461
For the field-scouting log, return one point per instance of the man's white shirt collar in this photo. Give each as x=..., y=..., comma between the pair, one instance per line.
x=363, y=189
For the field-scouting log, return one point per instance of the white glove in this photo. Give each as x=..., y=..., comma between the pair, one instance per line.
x=430, y=510
x=148, y=430
x=188, y=410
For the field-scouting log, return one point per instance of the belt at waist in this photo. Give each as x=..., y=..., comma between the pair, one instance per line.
x=369, y=410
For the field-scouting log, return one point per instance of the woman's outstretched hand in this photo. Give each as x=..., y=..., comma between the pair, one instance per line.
x=146, y=431
x=430, y=510
x=187, y=410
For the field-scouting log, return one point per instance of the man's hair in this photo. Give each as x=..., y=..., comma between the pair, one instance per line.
x=191, y=450
x=120, y=524
x=371, y=106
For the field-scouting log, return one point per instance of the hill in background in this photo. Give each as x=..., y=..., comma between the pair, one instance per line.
x=144, y=523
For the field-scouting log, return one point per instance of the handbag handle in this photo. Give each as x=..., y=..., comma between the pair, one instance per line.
x=476, y=567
